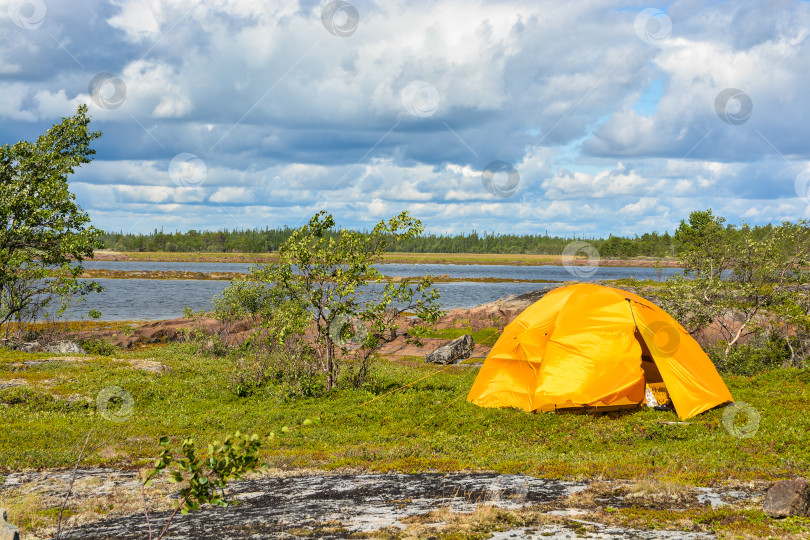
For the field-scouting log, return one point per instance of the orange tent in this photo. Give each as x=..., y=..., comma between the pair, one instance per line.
x=594, y=347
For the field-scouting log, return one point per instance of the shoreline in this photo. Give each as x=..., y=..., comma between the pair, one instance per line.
x=516, y=259
x=104, y=273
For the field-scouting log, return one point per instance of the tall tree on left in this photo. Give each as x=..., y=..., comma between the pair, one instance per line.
x=42, y=229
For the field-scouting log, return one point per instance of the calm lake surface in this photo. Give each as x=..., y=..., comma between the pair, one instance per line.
x=151, y=299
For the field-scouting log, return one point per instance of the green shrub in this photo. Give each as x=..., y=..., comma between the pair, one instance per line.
x=247, y=375
x=205, y=475
x=33, y=335
x=37, y=400
x=100, y=346
x=19, y=395
x=758, y=355
x=204, y=343
x=314, y=289
x=288, y=366
x=200, y=340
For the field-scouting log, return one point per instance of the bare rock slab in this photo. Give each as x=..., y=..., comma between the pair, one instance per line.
x=65, y=347
x=30, y=346
x=788, y=498
x=457, y=350
x=7, y=530
x=307, y=507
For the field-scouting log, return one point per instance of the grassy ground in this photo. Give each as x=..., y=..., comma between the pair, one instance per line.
x=412, y=417
x=396, y=424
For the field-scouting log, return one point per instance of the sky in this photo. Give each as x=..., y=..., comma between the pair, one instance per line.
x=573, y=118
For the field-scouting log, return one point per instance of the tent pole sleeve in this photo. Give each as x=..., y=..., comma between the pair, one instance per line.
x=632, y=313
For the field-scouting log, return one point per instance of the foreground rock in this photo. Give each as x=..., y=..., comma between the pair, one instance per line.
x=7, y=530
x=788, y=498
x=340, y=506
x=454, y=352
x=328, y=506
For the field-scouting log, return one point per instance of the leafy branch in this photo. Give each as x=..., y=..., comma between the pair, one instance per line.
x=205, y=475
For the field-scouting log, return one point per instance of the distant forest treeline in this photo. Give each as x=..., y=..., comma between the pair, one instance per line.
x=266, y=240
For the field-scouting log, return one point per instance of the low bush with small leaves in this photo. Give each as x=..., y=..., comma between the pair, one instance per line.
x=759, y=354
x=100, y=346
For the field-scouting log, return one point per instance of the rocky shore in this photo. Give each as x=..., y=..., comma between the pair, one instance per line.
x=98, y=273
x=521, y=259
x=494, y=315
x=490, y=315
x=103, y=273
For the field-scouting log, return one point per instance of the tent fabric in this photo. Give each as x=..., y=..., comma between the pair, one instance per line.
x=587, y=345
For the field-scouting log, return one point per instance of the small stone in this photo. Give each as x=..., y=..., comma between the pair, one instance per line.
x=11, y=383
x=453, y=352
x=7, y=530
x=149, y=365
x=788, y=498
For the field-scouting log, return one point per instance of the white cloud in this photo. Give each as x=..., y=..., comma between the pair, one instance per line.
x=289, y=118
x=139, y=20
x=697, y=67
x=605, y=183
x=232, y=195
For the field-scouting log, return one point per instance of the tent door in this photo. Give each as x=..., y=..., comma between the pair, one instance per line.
x=651, y=373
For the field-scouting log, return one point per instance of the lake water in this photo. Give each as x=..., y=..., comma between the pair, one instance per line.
x=150, y=299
